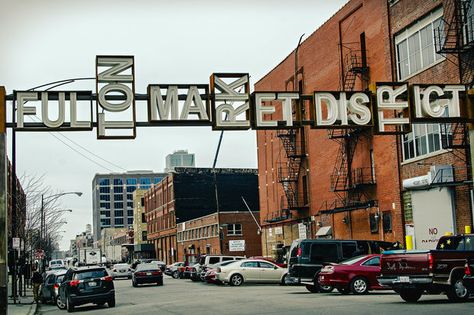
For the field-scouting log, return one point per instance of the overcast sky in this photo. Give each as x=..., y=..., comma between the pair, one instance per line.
x=173, y=42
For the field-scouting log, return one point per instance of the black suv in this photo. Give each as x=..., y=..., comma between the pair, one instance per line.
x=308, y=256
x=86, y=285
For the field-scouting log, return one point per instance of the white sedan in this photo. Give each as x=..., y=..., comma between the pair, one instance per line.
x=251, y=270
x=121, y=270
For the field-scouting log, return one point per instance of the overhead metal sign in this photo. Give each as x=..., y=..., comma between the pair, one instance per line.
x=226, y=103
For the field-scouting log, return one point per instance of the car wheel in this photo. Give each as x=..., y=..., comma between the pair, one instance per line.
x=344, y=290
x=283, y=279
x=174, y=275
x=312, y=288
x=236, y=280
x=59, y=303
x=134, y=284
x=69, y=305
x=326, y=288
x=457, y=292
x=359, y=285
x=160, y=282
x=111, y=302
x=410, y=295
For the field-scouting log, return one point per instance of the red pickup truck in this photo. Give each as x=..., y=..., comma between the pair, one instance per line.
x=412, y=273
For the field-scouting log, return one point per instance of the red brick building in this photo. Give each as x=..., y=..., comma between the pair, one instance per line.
x=346, y=181
x=193, y=195
x=352, y=184
x=226, y=233
x=425, y=50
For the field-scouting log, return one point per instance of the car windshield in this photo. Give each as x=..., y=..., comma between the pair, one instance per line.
x=59, y=279
x=225, y=263
x=58, y=267
x=150, y=266
x=352, y=260
x=90, y=274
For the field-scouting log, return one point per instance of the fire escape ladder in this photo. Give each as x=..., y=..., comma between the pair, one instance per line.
x=455, y=35
x=455, y=137
x=341, y=178
x=289, y=170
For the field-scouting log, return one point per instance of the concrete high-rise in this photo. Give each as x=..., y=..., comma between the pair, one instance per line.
x=179, y=158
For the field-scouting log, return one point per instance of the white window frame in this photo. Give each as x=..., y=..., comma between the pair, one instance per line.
x=231, y=229
x=408, y=32
x=428, y=154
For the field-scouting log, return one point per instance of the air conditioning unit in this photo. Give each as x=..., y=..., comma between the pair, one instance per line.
x=419, y=182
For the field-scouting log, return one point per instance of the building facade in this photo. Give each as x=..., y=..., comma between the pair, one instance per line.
x=190, y=193
x=226, y=233
x=330, y=183
x=352, y=183
x=179, y=158
x=434, y=158
x=142, y=247
x=112, y=197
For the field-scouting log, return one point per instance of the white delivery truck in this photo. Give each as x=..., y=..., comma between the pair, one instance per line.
x=89, y=256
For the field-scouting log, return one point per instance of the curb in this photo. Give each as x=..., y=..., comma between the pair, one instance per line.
x=34, y=309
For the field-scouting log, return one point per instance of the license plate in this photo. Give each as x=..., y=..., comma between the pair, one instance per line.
x=404, y=279
x=92, y=284
x=148, y=273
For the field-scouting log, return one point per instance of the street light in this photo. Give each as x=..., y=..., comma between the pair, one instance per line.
x=45, y=201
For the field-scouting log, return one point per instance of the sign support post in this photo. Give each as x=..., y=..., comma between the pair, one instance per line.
x=3, y=208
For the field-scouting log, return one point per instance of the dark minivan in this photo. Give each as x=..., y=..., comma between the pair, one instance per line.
x=86, y=285
x=308, y=256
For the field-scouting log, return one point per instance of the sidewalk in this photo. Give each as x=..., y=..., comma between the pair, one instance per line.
x=25, y=304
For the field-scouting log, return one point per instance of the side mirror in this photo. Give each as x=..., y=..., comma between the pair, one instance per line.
x=275, y=267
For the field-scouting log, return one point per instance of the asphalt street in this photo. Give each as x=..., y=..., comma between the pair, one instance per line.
x=186, y=297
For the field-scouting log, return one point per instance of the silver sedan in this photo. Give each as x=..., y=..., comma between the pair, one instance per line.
x=121, y=271
x=251, y=270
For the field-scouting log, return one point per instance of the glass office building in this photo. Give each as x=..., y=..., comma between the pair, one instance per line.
x=112, y=197
x=179, y=158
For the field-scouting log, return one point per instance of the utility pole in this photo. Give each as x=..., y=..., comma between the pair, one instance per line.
x=3, y=207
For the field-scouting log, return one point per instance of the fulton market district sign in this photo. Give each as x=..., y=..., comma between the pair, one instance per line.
x=227, y=104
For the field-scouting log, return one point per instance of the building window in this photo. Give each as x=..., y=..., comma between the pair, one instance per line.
x=425, y=139
x=118, y=205
x=156, y=180
x=105, y=222
x=118, y=221
x=130, y=221
x=234, y=229
x=118, y=213
x=142, y=202
x=145, y=183
x=143, y=218
x=387, y=221
x=105, y=214
x=130, y=205
x=144, y=234
x=104, y=197
x=104, y=190
x=415, y=50
x=131, y=184
x=374, y=223
x=130, y=213
x=104, y=205
x=118, y=197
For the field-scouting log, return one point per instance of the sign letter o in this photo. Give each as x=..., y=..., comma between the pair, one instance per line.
x=120, y=88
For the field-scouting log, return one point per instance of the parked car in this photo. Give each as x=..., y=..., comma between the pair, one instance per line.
x=251, y=270
x=191, y=272
x=357, y=275
x=283, y=265
x=172, y=270
x=210, y=273
x=308, y=256
x=209, y=260
x=82, y=285
x=160, y=263
x=50, y=286
x=468, y=280
x=412, y=273
x=56, y=263
x=147, y=273
x=121, y=270
x=55, y=268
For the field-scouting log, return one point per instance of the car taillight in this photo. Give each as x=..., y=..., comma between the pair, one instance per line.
x=107, y=278
x=56, y=286
x=430, y=262
x=74, y=283
x=300, y=252
x=140, y=273
x=467, y=270
x=156, y=273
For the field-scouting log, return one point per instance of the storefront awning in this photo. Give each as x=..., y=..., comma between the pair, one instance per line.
x=324, y=231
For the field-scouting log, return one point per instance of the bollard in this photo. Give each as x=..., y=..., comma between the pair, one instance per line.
x=409, y=242
x=467, y=229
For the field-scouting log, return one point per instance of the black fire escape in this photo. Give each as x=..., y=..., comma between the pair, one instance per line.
x=349, y=184
x=454, y=39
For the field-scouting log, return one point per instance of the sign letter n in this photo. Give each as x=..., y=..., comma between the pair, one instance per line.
x=115, y=85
